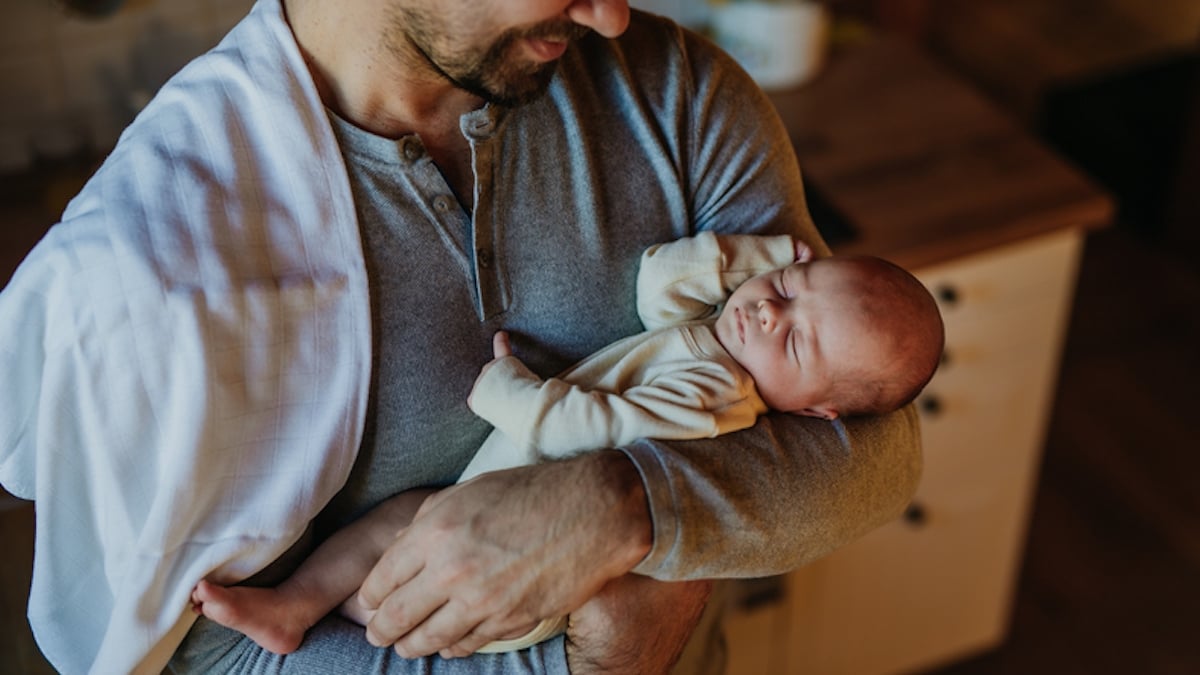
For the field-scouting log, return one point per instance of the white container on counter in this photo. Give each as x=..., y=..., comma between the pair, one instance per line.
x=782, y=44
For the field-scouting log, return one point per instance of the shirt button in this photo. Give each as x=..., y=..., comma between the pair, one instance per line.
x=443, y=203
x=413, y=150
x=484, y=256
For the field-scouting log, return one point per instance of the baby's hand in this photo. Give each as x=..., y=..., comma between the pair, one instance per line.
x=501, y=348
x=500, y=345
x=804, y=252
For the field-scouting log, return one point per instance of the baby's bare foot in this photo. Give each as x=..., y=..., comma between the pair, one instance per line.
x=261, y=614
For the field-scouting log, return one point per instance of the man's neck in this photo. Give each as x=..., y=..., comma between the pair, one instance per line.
x=386, y=88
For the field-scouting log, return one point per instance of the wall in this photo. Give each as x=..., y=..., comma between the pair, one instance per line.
x=67, y=83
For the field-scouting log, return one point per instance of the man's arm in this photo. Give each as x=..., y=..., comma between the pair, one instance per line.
x=842, y=479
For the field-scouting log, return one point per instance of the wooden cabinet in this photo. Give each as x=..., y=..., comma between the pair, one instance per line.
x=937, y=583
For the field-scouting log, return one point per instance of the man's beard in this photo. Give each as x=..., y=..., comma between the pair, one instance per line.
x=495, y=74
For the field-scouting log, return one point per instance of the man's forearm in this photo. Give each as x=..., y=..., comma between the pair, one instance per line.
x=618, y=489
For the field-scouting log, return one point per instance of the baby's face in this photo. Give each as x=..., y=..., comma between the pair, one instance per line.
x=791, y=329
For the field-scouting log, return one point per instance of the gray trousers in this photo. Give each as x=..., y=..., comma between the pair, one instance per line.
x=338, y=646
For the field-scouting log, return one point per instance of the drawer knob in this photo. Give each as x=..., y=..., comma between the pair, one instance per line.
x=930, y=404
x=915, y=515
x=947, y=295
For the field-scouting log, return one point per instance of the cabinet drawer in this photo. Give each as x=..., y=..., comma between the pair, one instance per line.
x=985, y=410
x=984, y=289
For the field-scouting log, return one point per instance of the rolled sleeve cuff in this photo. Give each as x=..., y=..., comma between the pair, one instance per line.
x=660, y=500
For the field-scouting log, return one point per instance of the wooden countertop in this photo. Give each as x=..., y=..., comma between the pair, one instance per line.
x=922, y=167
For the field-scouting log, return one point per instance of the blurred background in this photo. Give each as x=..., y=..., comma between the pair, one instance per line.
x=73, y=80
x=1109, y=574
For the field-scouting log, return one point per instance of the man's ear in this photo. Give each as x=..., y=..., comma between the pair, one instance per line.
x=820, y=411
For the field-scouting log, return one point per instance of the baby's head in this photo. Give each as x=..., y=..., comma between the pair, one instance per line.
x=839, y=336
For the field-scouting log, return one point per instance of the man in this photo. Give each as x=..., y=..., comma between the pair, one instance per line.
x=204, y=385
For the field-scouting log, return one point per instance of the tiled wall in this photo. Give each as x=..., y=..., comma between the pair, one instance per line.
x=67, y=83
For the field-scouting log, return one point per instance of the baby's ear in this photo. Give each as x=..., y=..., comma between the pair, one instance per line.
x=820, y=412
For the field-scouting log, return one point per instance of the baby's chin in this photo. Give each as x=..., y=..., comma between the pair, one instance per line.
x=726, y=331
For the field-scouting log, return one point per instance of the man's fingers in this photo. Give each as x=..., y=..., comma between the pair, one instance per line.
x=396, y=567
x=430, y=502
x=399, y=615
x=442, y=629
x=477, y=639
x=469, y=644
x=501, y=347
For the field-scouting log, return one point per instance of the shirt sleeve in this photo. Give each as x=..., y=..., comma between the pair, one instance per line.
x=790, y=489
x=690, y=278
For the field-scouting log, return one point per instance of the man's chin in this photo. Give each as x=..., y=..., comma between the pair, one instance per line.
x=516, y=89
x=514, y=97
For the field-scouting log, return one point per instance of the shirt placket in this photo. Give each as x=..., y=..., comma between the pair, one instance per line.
x=480, y=128
x=435, y=198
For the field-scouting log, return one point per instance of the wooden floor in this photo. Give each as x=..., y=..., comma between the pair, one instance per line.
x=1111, y=581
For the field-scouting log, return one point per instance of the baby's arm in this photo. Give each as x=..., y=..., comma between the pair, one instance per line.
x=689, y=278
x=555, y=417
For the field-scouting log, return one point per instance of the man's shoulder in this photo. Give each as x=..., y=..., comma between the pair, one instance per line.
x=650, y=46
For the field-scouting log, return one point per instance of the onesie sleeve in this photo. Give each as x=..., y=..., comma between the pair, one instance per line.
x=556, y=418
x=688, y=279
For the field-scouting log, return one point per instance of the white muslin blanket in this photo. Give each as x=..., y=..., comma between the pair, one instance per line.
x=186, y=355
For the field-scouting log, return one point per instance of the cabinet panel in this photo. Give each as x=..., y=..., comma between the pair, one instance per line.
x=986, y=286
x=985, y=411
x=756, y=638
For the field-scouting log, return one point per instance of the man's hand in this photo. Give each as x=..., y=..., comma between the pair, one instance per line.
x=491, y=557
x=635, y=625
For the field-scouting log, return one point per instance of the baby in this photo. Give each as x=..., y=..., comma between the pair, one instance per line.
x=824, y=337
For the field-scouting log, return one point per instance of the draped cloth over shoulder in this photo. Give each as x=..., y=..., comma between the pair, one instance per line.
x=204, y=294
